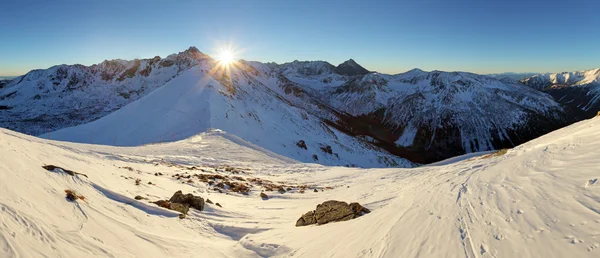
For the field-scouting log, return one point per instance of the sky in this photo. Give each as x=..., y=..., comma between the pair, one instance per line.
x=481, y=36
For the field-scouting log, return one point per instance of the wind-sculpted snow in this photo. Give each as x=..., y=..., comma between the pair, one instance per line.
x=540, y=199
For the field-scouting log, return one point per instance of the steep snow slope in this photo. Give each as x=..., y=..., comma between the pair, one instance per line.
x=234, y=100
x=540, y=199
x=68, y=95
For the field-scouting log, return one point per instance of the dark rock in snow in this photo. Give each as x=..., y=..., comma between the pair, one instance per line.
x=332, y=211
x=57, y=169
x=196, y=202
x=183, y=208
x=326, y=149
x=281, y=190
x=264, y=196
x=301, y=144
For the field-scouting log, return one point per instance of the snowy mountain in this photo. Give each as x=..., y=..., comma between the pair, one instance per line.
x=339, y=112
x=69, y=95
x=428, y=116
x=239, y=100
x=540, y=199
x=512, y=76
x=580, y=91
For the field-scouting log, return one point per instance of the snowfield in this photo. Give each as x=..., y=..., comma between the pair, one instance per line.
x=540, y=199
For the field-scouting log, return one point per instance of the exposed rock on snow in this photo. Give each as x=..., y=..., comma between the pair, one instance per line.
x=332, y=211
x=183, y=208
x=264, y=196
x=57, y=169
x=196, y=202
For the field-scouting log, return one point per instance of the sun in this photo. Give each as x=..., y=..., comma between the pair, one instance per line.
x=226, y=56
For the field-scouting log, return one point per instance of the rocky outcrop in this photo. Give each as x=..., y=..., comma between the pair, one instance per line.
x=181, y=202
x=196, y=202
x=332, y=211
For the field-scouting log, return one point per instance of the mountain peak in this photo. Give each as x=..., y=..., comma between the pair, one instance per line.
x=350, y=67
x=194, y=53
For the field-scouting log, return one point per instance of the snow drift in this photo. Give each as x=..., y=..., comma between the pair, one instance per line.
x=540, y=199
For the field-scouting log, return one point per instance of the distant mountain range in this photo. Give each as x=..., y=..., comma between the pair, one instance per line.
x=311, y=111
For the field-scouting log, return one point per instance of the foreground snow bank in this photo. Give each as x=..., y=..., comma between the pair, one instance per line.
x=540, y=199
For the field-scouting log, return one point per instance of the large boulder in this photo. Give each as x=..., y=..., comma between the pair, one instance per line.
x=196, y=202
x=332, y=211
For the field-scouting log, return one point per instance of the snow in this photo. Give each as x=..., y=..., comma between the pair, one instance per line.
x=408, y=136
x=540, y=199
x=197, y=101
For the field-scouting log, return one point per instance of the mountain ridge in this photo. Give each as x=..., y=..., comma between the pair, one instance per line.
x=422, y=116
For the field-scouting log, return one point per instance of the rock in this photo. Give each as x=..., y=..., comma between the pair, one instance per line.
x=182, y=216
x=326, y=149
x=281, y=190
x=58, y=169
x=239, y=188
x=301, y=144
x=359, y=209
x=219, y=205
x=316, y=191
x=264, y=196
x=183, y=208
x=332, y=211
x=315, y=157
x=306, y=219
x=209, y=201
x=196, y=202
x=138, y=197
x=71, y=195
x=163, y=203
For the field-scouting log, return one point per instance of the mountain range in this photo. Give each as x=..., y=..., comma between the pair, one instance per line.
x=310, y=111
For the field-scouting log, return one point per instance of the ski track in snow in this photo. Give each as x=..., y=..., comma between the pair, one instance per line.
x=540, y=199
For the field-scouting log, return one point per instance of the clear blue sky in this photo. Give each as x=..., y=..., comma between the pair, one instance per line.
x=482, y=36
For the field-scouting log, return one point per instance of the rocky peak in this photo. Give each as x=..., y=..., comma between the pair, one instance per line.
x=350, y=67
x=194, y=53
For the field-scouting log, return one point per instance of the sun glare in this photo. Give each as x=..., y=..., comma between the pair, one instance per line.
x=226, y=56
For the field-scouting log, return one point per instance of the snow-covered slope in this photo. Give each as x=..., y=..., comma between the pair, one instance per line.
x=68, y=95
x=238, y=100
x=540, y=199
